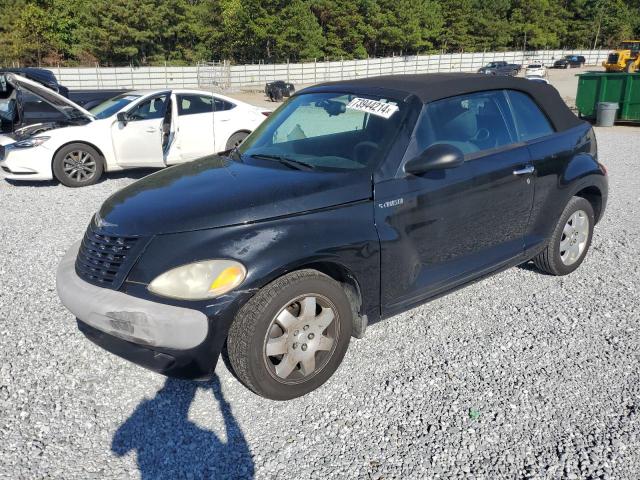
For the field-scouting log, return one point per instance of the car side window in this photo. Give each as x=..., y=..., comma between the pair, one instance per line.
x=196, y=104
x=222, y=105
x=530, y=121
x=148, y=110
x=473, y=123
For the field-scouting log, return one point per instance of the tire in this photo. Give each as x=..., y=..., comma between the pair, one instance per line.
x=236, y=139
x=569, y=243
x=87, y=158
x=629, y=67
x=275, y=316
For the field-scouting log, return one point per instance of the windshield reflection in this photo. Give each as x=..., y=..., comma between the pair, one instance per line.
x=327, y=131
x=112, y=106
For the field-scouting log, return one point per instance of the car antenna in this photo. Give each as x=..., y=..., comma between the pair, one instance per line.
x=213, y=118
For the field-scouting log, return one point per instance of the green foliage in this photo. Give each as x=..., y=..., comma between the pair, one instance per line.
x=117, y=32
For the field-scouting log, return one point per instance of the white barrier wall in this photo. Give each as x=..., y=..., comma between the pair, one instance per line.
x=226, y=76
x=127, y=77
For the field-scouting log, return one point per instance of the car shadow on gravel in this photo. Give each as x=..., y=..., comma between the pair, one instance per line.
x=133, y=174
x=169, y=445
x=531, y=267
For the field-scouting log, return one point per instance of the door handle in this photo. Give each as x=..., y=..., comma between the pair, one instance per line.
x=525, y=171
x=150, y=130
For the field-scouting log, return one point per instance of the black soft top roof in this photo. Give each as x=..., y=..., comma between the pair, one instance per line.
x=429, y=87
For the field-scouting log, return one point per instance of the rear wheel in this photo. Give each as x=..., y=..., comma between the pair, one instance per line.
x=570, y=240
x=291, y=336
x=78, y=165
x=629, y=68
x=236, y=139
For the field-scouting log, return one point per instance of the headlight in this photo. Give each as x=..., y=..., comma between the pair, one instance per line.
x=31, y=142
x=199, y=280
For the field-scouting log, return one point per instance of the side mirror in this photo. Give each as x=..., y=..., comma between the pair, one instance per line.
x=122, y=117
x=436, y=157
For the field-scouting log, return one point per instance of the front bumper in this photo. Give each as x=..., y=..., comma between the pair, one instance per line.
x=171, y=340
x=25, y=163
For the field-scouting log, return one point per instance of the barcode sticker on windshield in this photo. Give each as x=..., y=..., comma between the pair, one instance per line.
x=374, y=107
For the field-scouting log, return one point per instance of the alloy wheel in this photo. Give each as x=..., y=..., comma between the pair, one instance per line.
x=79, y=165
x=574, y=237
x=301, y=339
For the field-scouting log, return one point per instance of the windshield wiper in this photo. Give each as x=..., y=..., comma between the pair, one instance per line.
x=289, y=162
x=234, y=154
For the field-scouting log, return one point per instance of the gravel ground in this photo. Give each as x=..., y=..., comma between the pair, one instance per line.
x=521, y=375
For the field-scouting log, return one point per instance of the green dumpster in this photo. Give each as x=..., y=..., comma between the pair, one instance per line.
x=620, y=88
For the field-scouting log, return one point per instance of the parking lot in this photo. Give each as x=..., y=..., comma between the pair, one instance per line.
x=520, y=375
x=565, y=81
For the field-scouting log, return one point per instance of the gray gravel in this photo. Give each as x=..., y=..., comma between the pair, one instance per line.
x=520, y=376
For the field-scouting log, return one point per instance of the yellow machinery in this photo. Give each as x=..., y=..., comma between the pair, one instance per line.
x=624, y=59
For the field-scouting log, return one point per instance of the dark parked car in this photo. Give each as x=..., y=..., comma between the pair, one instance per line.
x=40, y=75
x=501, y=68
x=92, y=98
x=570, y=61
x=87, y=98
x=354, y=202
x=23, y=112
x=279, y=89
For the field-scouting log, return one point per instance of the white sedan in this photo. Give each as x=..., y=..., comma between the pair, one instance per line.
x=137, y=129
x=535, y=70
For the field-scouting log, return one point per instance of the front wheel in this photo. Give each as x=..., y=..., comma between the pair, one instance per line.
x=570, y=240
x=291, y=336
x=77, y=165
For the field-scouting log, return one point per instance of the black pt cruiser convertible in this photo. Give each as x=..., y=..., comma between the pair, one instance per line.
x=353, y=202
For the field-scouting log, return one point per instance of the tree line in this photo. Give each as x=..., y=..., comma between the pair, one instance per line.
x=147, y=32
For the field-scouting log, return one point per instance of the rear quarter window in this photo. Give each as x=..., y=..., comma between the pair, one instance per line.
x=197, y=104
x=530, y=121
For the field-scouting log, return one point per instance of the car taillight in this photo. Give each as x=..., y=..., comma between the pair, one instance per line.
x=266, y=114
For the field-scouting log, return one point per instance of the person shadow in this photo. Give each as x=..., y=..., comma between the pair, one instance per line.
x=169, y=445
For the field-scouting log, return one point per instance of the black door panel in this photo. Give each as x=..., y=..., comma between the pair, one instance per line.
x=442, y=227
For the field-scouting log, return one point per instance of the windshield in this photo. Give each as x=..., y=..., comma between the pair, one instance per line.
x=112, y=106
x=327, y=131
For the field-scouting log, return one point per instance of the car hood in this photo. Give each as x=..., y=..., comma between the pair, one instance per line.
x=72, y=111
x=216, y=192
